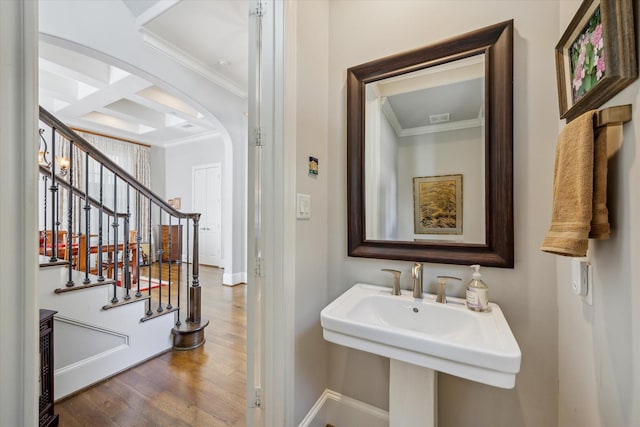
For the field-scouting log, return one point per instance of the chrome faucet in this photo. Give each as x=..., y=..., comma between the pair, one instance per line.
x=416, y=273
x=396, y=281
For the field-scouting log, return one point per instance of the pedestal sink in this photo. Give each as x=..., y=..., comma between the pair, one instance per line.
x=421, y=337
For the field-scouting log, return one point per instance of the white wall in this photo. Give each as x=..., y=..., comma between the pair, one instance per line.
x=362, y=31
x=179, y=162
x=599, y=345
x=311, y=85
x=444, y=153
x=157, y=173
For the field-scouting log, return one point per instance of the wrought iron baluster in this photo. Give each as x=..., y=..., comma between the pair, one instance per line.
x=138, y=240
x=87, y=220
x=69, y=248
x=161, y=252
x=170, y=247
x=115, y=239
x=100, y=230
x=44, y=231
x=187, y=270
x=54, y=201
x=149, y=311
x=126, y=273
x=179, y=270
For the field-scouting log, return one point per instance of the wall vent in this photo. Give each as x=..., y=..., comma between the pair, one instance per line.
x=439, y=118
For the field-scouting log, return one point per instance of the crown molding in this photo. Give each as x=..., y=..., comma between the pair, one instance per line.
x=191, y=63
x=190, y=139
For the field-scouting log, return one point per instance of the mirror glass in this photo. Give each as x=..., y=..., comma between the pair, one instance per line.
x=425, y=154
x=430, y=152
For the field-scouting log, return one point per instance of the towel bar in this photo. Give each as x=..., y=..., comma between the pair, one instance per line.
x=610, y=116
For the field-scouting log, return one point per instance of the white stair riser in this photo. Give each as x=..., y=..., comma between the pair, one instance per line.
x=91, y=343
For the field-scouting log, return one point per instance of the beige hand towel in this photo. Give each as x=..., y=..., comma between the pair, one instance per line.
x=573, y=185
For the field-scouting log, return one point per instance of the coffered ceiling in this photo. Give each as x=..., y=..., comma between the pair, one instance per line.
x=209, y=37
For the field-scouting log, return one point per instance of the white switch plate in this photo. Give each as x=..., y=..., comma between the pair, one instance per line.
x=303, y=206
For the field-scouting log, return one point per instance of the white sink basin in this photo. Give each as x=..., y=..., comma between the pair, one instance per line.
x=444, y=337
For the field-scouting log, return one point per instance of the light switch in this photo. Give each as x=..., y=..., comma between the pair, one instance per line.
x=303, y=206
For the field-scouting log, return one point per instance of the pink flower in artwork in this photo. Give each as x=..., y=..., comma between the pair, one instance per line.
x=600, y=66
x=582, y=57
x=578, y=76
x=596, y=37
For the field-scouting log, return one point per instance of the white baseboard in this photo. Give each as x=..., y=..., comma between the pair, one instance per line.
x=234, y=279
x=339, y=410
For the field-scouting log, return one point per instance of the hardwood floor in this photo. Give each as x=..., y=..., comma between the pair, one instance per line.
x=201, y=387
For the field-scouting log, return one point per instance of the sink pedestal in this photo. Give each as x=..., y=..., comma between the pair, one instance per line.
x=412, y=395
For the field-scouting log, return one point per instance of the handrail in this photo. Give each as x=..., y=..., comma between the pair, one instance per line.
x=85, y=146
x=80, y=193
x=187, y=336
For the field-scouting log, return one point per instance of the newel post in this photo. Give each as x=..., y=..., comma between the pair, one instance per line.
x=195, y=302
x=190, y=334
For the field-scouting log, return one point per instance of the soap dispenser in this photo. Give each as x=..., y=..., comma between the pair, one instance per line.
x=477, y=292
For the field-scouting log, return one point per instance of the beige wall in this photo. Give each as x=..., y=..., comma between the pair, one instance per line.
x=310, y=85
x=599, y=345
x=361, y=31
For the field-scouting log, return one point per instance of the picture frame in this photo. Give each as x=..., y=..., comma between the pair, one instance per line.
x=596, y=56
x=175, y=203
x=437, y=204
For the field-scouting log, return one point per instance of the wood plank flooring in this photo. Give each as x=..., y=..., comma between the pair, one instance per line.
x=202, y=387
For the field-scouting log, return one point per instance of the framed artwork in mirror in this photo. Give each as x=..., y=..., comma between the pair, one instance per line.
x=437, y=204
x=596, y=56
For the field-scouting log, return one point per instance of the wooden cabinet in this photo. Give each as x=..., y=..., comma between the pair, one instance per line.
x=47, y=416
x=171, y=237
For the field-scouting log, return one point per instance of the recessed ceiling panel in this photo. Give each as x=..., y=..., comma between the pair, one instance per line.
x=462, y=100
x=138, y=112
x=161, y=97
x=117, y=123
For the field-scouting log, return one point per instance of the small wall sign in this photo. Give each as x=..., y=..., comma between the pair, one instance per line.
x=313, y=166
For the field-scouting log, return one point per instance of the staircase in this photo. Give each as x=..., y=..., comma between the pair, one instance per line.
x=110, y=316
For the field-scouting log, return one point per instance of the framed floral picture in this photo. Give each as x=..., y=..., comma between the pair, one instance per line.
x=437, y=204
x=596, y=56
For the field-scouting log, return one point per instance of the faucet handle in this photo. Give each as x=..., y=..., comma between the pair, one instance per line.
x=396, y=280
x=442, y=284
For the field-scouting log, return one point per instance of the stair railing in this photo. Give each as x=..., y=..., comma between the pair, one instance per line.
x=82, y=194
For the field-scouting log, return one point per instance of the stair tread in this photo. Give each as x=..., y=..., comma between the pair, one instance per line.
x=123, y=301
x=158, y=314
x=81, y=286
x=45, y=261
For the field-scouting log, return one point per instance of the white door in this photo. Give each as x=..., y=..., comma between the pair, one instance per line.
x=207, y=199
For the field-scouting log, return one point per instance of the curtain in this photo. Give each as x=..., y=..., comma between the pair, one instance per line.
x=116, y=194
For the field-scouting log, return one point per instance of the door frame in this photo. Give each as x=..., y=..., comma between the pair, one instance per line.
x=271, y=217
x=19, y=368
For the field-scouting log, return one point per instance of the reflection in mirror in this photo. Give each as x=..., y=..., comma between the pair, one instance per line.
x=424, y=150
x=430, y=152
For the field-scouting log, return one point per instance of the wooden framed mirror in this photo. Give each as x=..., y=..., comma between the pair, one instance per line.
x=430, y=152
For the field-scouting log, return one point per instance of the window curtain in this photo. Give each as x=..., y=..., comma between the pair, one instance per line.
x=134, y=159
x=116, y=194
